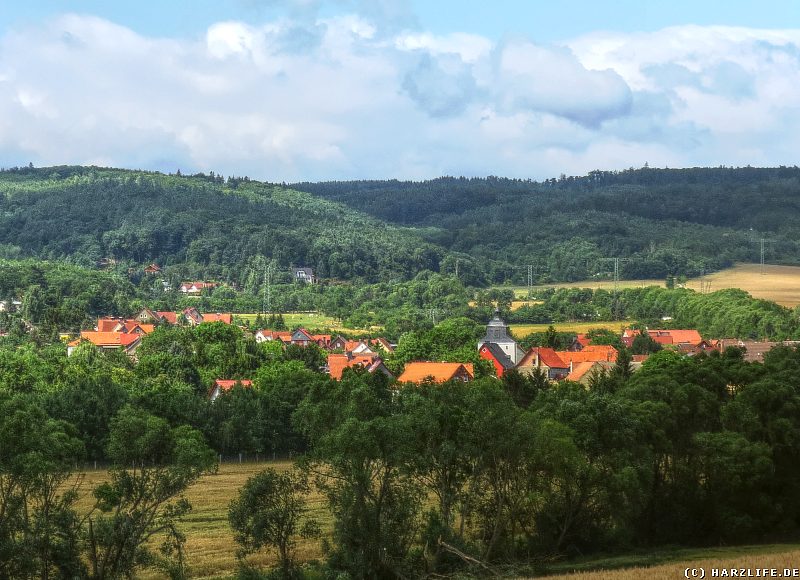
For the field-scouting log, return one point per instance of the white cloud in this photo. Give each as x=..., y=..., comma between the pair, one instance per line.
x=349, y=97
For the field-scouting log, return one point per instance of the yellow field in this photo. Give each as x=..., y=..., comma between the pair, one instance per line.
x=211, y=551
x=756, y=559
x=780, y=284
x=523, y=330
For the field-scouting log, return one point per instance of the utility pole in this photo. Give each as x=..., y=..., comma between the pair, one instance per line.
x=457, y=261
x=530, y=282
x=616, y=262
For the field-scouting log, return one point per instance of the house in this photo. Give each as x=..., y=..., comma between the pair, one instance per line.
x=579, y=342
x=12, y=306
x=196, y=288
x=546, y=360
x=152, y=269
x=224, y=318
x=303, y=275
x=192, y=316
x=108, y=324
x=754, y=351
x=585, y=372
x=128, y=343
x=301, y=337
x=494, y=354
x=338, y=362
x=438, y=372
x=168, y=317
x=591, y=353
x=672, y=337
x=382, y=344
x=268, y=335
x=497, y=333
x=221, y=386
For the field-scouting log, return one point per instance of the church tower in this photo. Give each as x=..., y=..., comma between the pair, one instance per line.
x=497, y=333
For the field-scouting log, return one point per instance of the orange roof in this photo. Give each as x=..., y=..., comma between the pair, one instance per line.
x=684, y=336
x=282, y=335
x=107, y=324
x=338, y=362
x=170, y=317
x=130, y=326
x=640, y=357
x=109, y=338
x=547, y=357
x=227, y=385
x=226, y=318
x=440, y=372
x=583, y=340
x=579, y=370
x=592, y=353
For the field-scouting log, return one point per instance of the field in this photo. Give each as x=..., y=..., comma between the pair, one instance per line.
x=522, y=330
x=780, y=284
x=210, y=547
x=211, y=550
x=311, y=321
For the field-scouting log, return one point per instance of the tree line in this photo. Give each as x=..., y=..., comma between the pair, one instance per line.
x=493, y=476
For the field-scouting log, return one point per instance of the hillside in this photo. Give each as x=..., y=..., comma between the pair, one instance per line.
x=206, y=225
x=662, y=222
x=669, y=221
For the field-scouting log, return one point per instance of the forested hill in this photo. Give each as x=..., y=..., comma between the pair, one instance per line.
x=666, y=222
x=202, y=225
x=671, y=221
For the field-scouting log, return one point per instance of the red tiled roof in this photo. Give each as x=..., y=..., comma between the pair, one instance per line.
x=109, y=338
x=579, y=370
x=226, y=318
x=228, y=384
x=440, y=372
x=591, y=353
x=282, y=335
x=338, y=362
x=170, y=317
x=107, y=324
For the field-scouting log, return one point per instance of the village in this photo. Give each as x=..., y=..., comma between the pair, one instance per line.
x=582, y=361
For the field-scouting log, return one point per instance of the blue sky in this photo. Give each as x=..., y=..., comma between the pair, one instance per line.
x=544, y=21
x=291, y=90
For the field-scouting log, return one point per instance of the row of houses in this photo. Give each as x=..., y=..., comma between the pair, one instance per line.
x=113, y=333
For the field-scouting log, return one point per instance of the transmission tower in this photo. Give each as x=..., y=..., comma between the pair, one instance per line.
x=266, y=300
x=763, y=241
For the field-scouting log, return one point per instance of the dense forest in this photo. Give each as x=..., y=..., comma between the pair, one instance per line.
x=201, y=226
x=661, y=222
x=667, y=221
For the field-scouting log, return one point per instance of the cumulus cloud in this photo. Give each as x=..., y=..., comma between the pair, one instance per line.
x=552, y=80
x=305, y=97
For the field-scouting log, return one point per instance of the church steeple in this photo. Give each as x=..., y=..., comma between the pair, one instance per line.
x=497, y=333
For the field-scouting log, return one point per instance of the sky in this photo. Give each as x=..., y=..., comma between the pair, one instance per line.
x=296, y=90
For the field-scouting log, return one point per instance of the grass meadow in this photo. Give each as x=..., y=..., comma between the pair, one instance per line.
x=312, y=321
x=211, y=551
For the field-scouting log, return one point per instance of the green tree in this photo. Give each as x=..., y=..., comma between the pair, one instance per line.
x=271, y=511
x=38, y=524
x=153, y=464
